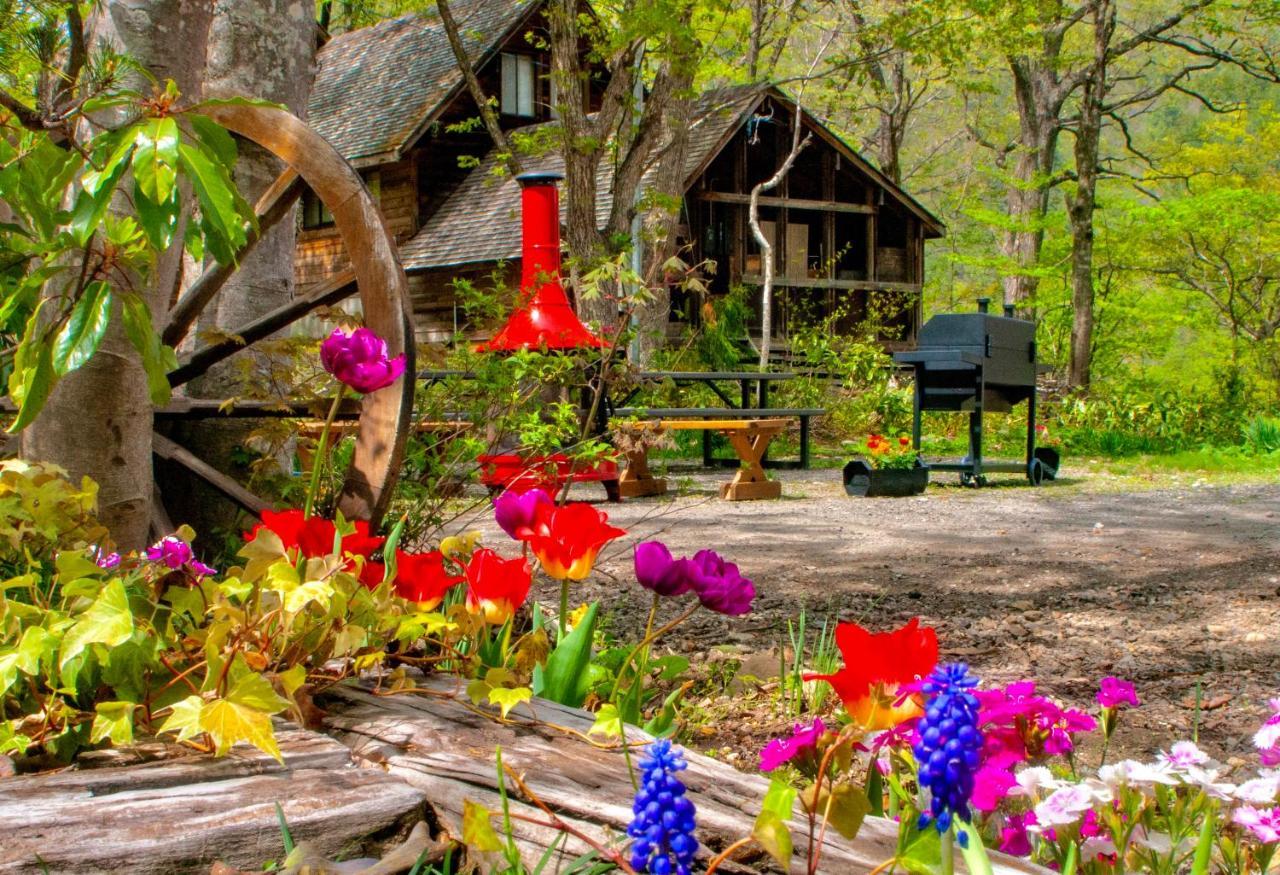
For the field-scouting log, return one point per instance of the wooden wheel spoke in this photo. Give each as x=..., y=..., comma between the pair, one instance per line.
x=276, y=203
x=167, y=449
x=341, y=286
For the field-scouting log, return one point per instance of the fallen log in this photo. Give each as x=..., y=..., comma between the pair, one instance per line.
x=440, y=745
x=182, y=815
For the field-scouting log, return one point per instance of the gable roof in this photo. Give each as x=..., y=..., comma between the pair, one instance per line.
x=377, y=88
x=480, y=220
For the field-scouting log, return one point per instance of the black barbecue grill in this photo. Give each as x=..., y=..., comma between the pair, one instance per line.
x=978, y=362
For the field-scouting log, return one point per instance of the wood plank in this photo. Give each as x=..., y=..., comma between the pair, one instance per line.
x=182, y=815
x=795, y=203
x=446, y=750
x=722, y=424
x=824, y=283
x=167, y=449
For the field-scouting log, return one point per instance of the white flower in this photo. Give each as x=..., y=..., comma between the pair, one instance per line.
x=1064, y=806
x=1135, y=774
x=1207, y=780
x=1184, y=754
x=1032, y=779
x=1262, y=790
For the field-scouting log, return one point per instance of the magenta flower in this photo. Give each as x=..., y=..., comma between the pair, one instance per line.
x=1264, y=823
x=1013, y=835
x=359, y=359
x=783, y=750
x=517, y=513
x=175, y=553
x=718, y=584
x=656, y=569
x=1267, y=739
x=105, y=559
x=1114, y=692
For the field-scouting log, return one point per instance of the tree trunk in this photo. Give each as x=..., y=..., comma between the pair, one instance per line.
x=1080, y=206
x=98, y=419
x=265, y=50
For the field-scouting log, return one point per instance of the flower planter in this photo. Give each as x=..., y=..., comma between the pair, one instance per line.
x=862, y=480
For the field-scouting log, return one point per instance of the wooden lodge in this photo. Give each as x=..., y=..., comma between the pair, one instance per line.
x=391, y=99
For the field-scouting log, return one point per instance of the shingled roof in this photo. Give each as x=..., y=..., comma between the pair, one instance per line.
x=378, y=87
x=480, y=221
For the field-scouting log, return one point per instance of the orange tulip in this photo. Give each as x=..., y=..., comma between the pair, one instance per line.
x=567, y=539
x=877, y=669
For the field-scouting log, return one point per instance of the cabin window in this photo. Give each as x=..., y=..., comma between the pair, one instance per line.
x=316, y=215
x=517, y=85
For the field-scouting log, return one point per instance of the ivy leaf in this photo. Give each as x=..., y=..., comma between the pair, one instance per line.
x=292, y=679
x=264, y=551
x=108, y=621
x=155, y=161
x=184, y=719
x=770, y=829
x=113, y=720
x=229, y=723
x=252, y=690
x=477, y=828
x=8, y=671
x=37, y=645
x=608, y=722
x=79, y=337
x=507, y=698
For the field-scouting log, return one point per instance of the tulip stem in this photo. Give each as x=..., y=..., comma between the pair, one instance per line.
x=564, y=610
x=321, y=455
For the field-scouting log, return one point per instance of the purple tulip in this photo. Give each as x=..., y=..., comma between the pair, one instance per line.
x=359, y=359
x=656, y=570
x=175, y=553
x=718, y=584
x=517, y=513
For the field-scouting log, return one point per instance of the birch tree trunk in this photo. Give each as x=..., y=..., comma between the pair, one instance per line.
x=98, y=419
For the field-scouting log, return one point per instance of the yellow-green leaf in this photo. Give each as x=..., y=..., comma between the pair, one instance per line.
x=229, y=723
x=113, y=720
x=263, y=551
x=292, y=679
x=770, y=829
x=506, y=699
x=608, y=722
x=477, y=829
x=185, y=718
x=252, y=690
x=108, y=621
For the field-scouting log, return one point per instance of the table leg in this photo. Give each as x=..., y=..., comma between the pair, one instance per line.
x=750, y=481
x=637, y=480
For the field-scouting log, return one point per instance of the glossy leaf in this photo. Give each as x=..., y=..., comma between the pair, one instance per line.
x=564, y=679
x=155, y=159
x=157, y=359
x=79, y=337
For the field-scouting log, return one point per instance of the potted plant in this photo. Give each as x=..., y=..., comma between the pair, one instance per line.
x=892, y=469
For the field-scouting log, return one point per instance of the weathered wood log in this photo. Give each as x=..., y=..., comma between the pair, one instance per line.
x=439, y=745
x=182, y=815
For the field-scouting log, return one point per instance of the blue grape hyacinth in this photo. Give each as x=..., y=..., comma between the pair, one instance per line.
x=664, y=822
x=950, y=746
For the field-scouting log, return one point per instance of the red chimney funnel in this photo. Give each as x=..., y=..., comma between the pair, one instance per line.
x=545, y=319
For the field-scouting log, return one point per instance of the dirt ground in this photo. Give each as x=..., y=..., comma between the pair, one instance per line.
x=1064, y=584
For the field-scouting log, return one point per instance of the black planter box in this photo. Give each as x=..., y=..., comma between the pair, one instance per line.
x=862, y=480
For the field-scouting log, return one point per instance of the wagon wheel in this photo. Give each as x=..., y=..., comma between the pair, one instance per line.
x=375, y=272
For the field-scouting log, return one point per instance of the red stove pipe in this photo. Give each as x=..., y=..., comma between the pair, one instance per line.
x=545, y=319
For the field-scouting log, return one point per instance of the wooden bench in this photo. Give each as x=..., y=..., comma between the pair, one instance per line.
x=804, y=414
x=748, y=437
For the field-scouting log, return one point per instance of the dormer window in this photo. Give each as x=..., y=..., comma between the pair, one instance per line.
x=517, y=85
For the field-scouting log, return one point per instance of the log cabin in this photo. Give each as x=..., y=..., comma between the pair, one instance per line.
x=847, y=241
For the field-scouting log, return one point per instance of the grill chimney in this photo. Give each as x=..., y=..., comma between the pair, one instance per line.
x=544, y=319
x=982, y=304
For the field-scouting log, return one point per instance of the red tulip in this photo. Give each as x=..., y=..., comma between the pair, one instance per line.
x=422, y=578
x=878, y=667
x=314, y=536
x=567, y=539
x=496, y=587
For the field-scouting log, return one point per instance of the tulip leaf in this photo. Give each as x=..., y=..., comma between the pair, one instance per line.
x=973, y=850
x=565, y=679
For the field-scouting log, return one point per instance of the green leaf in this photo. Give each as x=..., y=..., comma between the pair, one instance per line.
x=185, y=718
x=923, y=852
x=564, y=679
x=37, y=645
x=1071, y=861
x=506, y=699
x=80, y=335
x=229, y=723
x=215, y=139
x=292, y=679
x=252, y=690
x=94, y=199
x=155, y=161
x=159, y=220
x=1204, y=845
x=108, y=621
x=8, y=671
x=770, y=828
x=157, y=359
x=608, y=722
x=477, y=828
x=849, y=807
x=220, y=214
x=113, y=720
x=31, y=382
x=973, y=850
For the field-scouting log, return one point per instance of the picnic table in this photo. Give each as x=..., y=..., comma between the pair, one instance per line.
x=713, y=380
x=749, y=438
